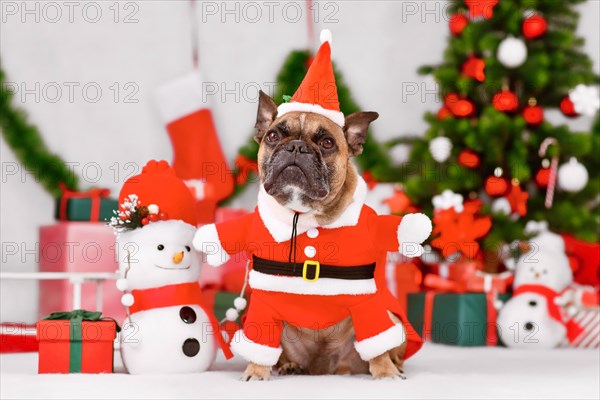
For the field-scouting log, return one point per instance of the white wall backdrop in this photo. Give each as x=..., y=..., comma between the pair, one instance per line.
x=88, y=45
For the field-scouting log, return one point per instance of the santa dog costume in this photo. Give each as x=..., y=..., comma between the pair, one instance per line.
x=332, y=272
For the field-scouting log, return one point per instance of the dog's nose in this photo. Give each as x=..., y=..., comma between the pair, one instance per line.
x=297, y=146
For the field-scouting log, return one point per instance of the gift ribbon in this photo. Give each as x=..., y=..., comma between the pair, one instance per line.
x=437, y=285
x=76, y=317
x=95, y=195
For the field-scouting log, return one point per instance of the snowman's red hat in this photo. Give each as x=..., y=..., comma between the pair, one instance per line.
x=158, y=187
x=318, y=91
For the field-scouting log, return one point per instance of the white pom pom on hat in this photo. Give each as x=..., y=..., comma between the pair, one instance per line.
x=326, y=36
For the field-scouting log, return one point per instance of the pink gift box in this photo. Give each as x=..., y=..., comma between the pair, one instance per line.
x=78, y=247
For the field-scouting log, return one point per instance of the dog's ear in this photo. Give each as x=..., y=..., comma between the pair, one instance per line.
x=267, y=112
x=355, y=130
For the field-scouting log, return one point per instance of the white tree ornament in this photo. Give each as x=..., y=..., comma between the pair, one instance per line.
x=448, y=199
x=586, y=99
x=440, y=148
x=512, y=52
x=572, y=176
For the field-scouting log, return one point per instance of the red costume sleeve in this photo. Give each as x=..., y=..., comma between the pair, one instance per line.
x=384, y=231
x=233, y=233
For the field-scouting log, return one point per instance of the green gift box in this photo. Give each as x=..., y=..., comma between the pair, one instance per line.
x=93, y=205
x=459, y=319
x=223, y=301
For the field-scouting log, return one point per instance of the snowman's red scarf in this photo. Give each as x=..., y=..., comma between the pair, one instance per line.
x=176, y=295
x=555, y=312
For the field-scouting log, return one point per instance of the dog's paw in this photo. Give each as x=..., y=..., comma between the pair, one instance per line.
x=290, y=368
x=256, y=372
x=382, y=367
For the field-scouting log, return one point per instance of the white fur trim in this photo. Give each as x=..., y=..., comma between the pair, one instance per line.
x=254, y=352
x=206, y=240
x=380, y=343
x=413, y=230
x=321, y=287
x=180, y=97
x=335, y=116
x=278, y=219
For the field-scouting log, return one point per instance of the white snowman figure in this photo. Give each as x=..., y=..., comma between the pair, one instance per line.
x=533, y=317
x=168, y=330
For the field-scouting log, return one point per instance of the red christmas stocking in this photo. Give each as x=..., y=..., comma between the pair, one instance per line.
x=198, y=157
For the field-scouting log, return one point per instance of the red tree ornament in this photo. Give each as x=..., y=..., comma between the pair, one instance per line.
x=496, y=186
x=567, y=107
x=468, y=159
x=459, y=231
x=534, y=27
x=457, y=23
x=542, y=177
x=474, y=68
x=459, y=106
x=483, y=8
x=444, y=113
x=399, y=203
x=517, y=198
x=533, y=114
x=506, y=101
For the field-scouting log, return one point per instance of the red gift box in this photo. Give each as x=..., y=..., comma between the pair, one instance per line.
x=483, y=282
x=72, y=346
x=77, y=247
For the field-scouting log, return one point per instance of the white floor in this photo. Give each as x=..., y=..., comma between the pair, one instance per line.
x=435, y=372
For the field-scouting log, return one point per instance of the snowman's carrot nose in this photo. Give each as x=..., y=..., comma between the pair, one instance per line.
x=178, y=257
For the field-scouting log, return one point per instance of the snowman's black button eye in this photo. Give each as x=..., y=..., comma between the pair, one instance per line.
x=188, y=248
x=528, y=326
x=187, y=315
x=191, y=347
x=533, y=303
x=160, y=247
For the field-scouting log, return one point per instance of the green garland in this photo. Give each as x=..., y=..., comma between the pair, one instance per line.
x=26, y=142
x=374, y=157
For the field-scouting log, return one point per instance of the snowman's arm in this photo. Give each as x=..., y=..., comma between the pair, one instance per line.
x=220, y=241
x=402, y=234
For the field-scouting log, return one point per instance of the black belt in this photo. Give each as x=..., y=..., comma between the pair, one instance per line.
x=317, y=271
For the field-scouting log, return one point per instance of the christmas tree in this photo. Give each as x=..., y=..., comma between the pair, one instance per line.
x=479, y=170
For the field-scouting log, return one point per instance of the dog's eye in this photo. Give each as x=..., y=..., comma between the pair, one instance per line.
x=272, y=137
x=327, y=143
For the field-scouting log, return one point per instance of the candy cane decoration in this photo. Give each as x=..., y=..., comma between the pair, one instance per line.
x=553, y=168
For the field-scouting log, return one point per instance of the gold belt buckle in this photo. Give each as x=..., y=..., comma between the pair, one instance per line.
x=317, y=270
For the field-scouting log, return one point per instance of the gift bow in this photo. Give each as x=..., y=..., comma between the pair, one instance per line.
x=78, y=316
x=94, y=194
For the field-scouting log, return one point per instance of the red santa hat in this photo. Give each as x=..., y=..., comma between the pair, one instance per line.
x=162, y=192
x=318, y=91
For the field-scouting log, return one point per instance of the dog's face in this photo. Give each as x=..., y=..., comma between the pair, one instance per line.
x=303, y=157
